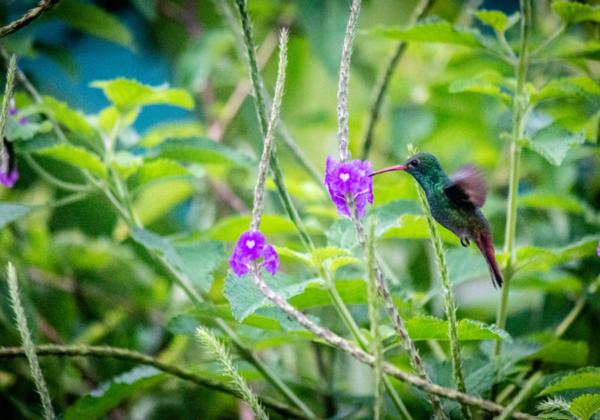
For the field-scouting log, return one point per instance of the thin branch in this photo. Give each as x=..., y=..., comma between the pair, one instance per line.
x=28, y=17
x=368, y=359
x=137, y=357
x=383, y=82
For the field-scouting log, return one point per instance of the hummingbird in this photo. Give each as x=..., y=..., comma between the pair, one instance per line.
x=455, y=202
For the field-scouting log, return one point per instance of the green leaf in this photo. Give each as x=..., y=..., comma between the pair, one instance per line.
x=320, y=255
x=110, y=116
x=551, y=201
x=573, y=12
x=576, y=86
x=431, y=328
x=203, y=150
x=583, y=378
x=200, y=259
x=177, y=130
x=110, y=395
x=574, y=353
x=128, y=94
x=433, y=30
x=126, y=163
x=230, y=228
x=540, y=259
x=480, y=86
x=413, y=226
x=158, y=169
x=558, y=285
x=76, y=156
x=497, y=20
x=15, y=131
x=91, y=19
x=9, y=212
x=585, y=406
x=172, y=192
x=553, y=143
x=73, y=120
x=245, y=298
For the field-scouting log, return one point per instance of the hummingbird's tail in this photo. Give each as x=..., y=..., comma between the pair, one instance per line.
x=486, y=246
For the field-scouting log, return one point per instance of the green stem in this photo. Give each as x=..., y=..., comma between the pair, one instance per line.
x=144, y=359
x=520, y=105
x=52, y=179
x=520, y=397
x=450, y=307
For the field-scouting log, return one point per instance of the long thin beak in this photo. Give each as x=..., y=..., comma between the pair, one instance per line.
x=390, y=169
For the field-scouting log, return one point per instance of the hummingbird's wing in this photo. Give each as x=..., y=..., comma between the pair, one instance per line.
x=467, y=187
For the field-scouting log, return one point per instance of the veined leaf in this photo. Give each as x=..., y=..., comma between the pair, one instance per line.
x=110, y=116
x=579, y=86
x=573, y=353
x=158, y=169
x=533, y=258
x=90, y=18
x=9, y=212
x=74, y=120
x=76, y=156
x=414, y=226
x=480, y=86
x=245, y=298
x=497, y=19
x=585, y=406
x=573, y=12
x=15, y=131
x=583, y=378
x=553, y=143
x=200, y=259
x=202, y=150
x=320, y=255
x=128, y=94
x=178, y=130
x=432, y=30
x=157, y=199
x=553, y=201
x=559, y=285
x=431, y=328
x=100, y=401
x=126, y=164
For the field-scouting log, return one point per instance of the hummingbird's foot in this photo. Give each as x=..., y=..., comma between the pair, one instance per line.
x=465, y=242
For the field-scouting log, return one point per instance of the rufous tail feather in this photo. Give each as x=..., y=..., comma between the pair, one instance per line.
x=486, y=246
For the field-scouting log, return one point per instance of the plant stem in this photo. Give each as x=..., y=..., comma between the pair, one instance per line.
x=368, y=359
x=28, y=17
x=385, y=77
x=52, y=179
x=520, y=105
x=376, y=347
x=261, y=112
x=144, y=359
x=455, y=352
x=524, y=393
x=8, y=93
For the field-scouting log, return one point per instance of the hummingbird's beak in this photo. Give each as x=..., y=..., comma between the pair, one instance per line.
x=390, y=169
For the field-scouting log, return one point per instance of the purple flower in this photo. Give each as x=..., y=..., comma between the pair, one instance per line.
x=9, y=173
x=349, y=180
x=598, y=248
x=250, y=247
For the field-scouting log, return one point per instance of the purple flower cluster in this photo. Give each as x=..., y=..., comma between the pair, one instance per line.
x=349, y=180
x=249, y=248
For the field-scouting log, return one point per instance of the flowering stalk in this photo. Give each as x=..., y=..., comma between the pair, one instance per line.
x=217, y=348
x=449, y=305
x=357, y=211
x=29, y=347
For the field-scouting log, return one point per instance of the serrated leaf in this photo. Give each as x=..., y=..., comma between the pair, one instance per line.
x=320, y=255
x=14, y=131
x=128, y=94
x=202, y=150
x=583, y=378
x=245, y=298
x=158, y=169
x=150, y=208
x=76, y=156
x=109, y=395
x=585, y=406
x=110, y=116
x=573, y=12
x=126, y=164
x=340, y=262
x=497, y=19
x=9, y=212
x=432, y=30
x=178, y=130
x=290, y=253
x=480, y=86
x=431, y=328
x=73, y=120
x=558, y=285
x=540, y=259
x=90, y=18
x=576, y=86
x=551, y=201
x=200, y=259
x=553, y=143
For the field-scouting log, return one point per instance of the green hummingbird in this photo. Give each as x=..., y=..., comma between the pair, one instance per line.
x=455, y=203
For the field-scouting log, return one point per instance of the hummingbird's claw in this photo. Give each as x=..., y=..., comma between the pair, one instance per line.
x=465, y=242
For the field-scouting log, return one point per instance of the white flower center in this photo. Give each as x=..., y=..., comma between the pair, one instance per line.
x=344, y=176
x=250, y=244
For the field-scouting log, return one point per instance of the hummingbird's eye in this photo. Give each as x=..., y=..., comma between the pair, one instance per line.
x=413, y=163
